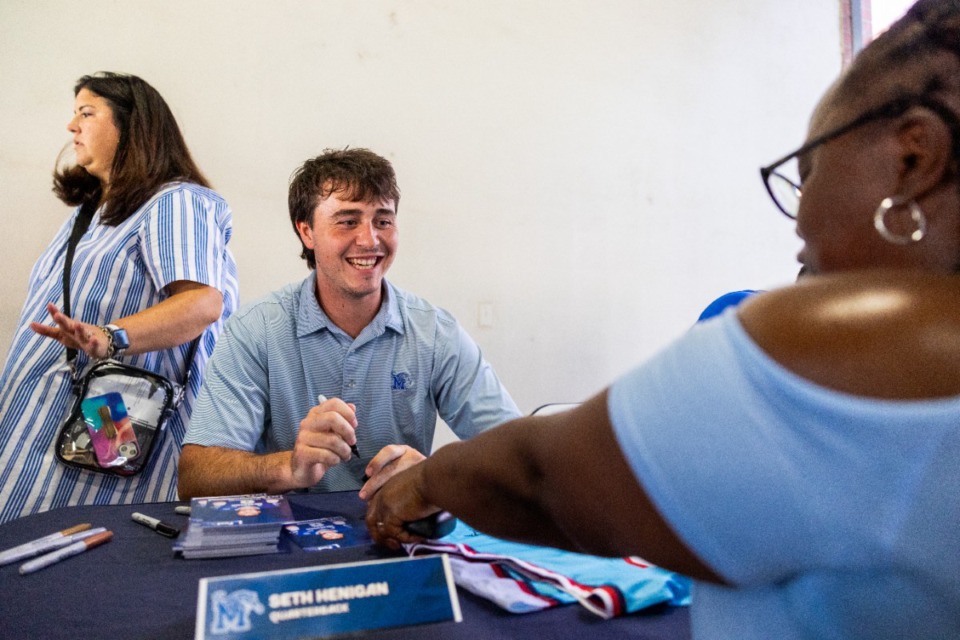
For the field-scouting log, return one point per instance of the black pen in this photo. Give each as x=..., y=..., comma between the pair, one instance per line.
x=162, y=528
x=353, y=448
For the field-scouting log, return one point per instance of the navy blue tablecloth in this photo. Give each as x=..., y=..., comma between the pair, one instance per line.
x=134, y=586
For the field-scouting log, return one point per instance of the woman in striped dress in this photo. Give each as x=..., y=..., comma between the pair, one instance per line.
x=153, y=264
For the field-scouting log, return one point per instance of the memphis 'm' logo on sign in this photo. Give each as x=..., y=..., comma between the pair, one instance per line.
x=231, y=612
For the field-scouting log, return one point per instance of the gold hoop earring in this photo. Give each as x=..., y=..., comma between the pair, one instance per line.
x=916, y=214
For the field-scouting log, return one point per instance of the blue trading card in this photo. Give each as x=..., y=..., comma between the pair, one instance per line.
x=331, y=532
x=240, y=511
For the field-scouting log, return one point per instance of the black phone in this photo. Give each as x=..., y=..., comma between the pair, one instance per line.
x=434, y=526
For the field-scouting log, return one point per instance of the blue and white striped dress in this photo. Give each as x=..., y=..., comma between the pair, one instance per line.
x=179, y=234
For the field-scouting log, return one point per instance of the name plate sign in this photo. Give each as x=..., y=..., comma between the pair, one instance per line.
x=314, y=602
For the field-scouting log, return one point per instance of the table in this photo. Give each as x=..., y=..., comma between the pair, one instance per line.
x=134, y=587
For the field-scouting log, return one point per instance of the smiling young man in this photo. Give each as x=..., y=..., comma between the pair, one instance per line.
x=336, y=382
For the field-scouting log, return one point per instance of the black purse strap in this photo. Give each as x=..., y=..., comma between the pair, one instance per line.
x=191, y=352
x=80, y=226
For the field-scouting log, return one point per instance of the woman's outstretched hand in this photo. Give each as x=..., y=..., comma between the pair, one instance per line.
x=74, y=334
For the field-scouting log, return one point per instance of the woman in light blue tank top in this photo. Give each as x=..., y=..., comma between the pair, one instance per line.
x=798, y=456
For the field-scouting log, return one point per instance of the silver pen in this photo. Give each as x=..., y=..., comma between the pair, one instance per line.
x=48, y=543
x=62, y=554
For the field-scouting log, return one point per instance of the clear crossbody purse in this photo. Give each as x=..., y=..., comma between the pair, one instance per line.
x=121, y=411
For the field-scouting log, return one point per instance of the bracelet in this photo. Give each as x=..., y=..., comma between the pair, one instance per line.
x=118, y=342
x=110, y=349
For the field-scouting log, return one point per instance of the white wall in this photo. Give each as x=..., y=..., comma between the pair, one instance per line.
x=586, y=167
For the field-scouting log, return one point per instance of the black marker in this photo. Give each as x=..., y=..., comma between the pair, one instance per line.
x=353, y=448
x=162, y=528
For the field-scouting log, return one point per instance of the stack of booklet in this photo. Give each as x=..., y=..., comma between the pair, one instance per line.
x=234, y=526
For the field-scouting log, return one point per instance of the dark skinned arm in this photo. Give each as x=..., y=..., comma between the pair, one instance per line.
x=535, y=480
x=561, y=480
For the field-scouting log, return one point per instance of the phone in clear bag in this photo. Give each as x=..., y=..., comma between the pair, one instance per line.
x=111, y=431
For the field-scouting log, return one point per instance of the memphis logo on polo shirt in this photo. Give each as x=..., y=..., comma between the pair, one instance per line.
x=401, y=381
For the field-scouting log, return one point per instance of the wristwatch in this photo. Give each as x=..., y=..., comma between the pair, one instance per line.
x=119, y=342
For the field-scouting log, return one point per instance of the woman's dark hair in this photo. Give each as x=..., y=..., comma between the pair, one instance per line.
x=151, y=151
x=919, y=55
x=359, y=174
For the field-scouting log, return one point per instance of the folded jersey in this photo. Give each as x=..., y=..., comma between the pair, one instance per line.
x=523, y=578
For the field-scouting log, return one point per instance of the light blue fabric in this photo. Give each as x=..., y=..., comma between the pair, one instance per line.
x=523, y=578
x=179, y=234
x=410, y=363
x=833, y=516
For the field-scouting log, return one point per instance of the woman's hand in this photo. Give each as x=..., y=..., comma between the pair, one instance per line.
x=74, y=334
x=189, y=308
x=400, y=501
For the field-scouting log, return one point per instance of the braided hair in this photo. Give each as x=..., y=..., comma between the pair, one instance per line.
x=918, y=56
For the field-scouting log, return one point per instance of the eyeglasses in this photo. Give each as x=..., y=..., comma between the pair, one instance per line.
x=785, y=189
